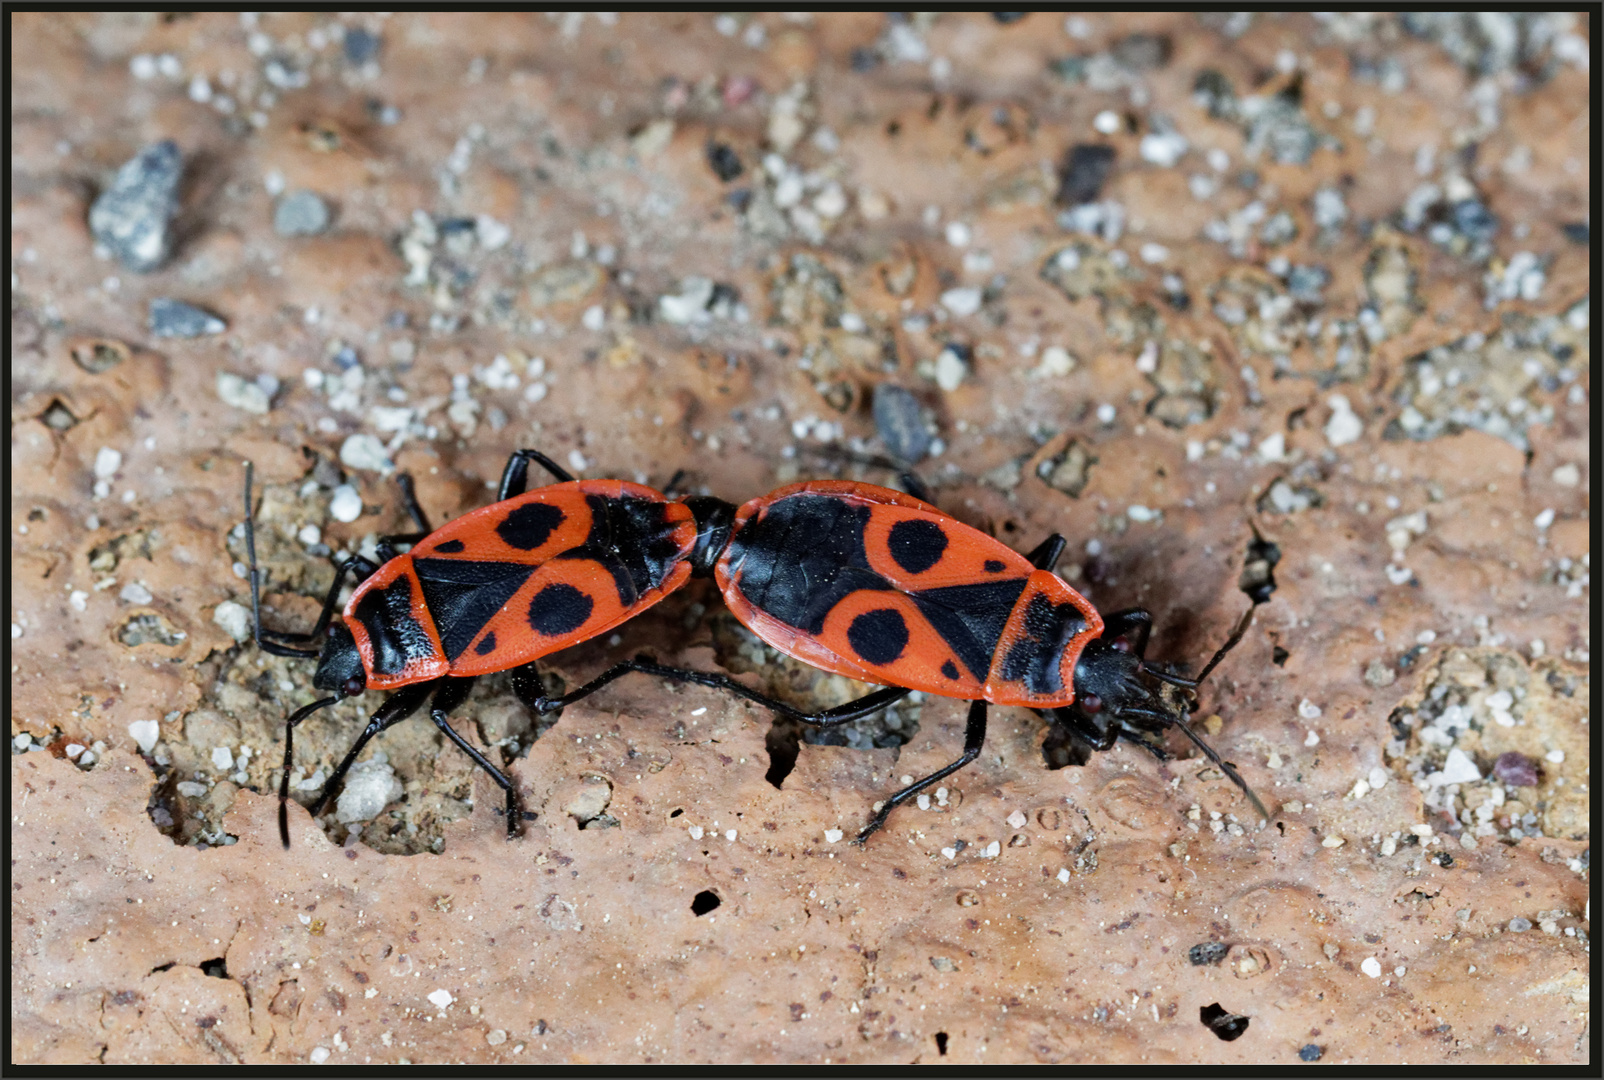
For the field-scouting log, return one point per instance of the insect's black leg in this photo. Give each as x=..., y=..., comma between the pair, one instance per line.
x=396, y=708
x=515, y=477
x=289, y=753
x=409, y=499
x=915, y=487
x=1045, y=557
x=448, y=697
x=841, y=714
x=974, y=739
x=1084, y=728
x=269, y=641
x=1126, y=621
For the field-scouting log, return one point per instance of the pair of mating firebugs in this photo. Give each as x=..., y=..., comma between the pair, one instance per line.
x=858, y=580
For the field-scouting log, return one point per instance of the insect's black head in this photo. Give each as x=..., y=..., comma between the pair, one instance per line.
x=1118, y=694
x=714, y=520
x=339, y=665
x=1112, y=693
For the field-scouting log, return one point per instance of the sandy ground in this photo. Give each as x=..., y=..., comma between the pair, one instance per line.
x=1204, y=294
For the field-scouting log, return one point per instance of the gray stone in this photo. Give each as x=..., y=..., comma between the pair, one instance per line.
x=300, y=213
x=131, y=218
x=176, y=319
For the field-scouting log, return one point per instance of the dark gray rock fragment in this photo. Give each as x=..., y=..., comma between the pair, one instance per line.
x=900, y=423
x=176, y=319
x=131, y=218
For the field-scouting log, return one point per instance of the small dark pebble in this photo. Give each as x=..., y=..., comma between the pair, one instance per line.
x=1008, y=18
x=130, y=218
x=361, y=45
x=864, y=59
x=1214, y=91
x=1408, y=659
x=1227, y=1026
x=901, y=424
x=739, y=199
x=1142, y=52
x=1083, y=173
x=724, y=161
x=1474, y=220
x=1207, y=952
x=346, y=358
x=1310, y=1052
x=1306, y=283
x=176, y=319
x=300, y=213
x=1444, y=860
x=1577, y=232
x=1515, y=769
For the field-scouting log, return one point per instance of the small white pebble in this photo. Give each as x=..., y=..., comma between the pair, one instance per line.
x=949, y=852
x=1378, y=778
x=1400, y=971
x=729, y=834
x=222, y=758
x=319, y=1055
x=1274, y=761
x=577, y=462
x=1555, y=756
x=1421, y=830
x=695, y=831
x=1389, y=846
x=135, y=593
x=73, y=749
x=145, y=733
x=833, y=836
x=1312, y=739
x=441, y=998
x=107, y=462
x=1567, y=475
x=1344, y=426
x=958, y=234
x=1106, y=122
x=346, y=505
x=1308, y=709
x=992, y=850
x=923, y=802
x=962, y=301
x=1333, y=842
x=1017, y=820
x=1544, y=519
x=309, y=535
x=1371, y=967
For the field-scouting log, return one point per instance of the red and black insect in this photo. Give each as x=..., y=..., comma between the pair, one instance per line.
x=493, y=590
x=881, y=586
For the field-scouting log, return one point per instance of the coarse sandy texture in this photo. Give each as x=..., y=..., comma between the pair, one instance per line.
x=1327, y=300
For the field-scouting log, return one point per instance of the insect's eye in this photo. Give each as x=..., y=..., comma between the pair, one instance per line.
x=1120, y=644
x=1091, y=703
x=354, y=686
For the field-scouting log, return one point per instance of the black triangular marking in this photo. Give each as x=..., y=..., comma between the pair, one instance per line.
x=464, y=594
x=971, y=618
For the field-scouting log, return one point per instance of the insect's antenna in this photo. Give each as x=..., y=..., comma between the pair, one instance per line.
x=1225, y=766
x=1231, y=643
x=289, y=751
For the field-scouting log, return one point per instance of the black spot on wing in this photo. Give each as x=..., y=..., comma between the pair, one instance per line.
x=487, y=646
x=633, y=540
x=917, y=544
x=995, y=566
x=559, y=609
x=464, y=594
x=396, y=636
x=949, y=669
x=801, y=556
x=878, y=636
x=1034, y=659
x=527, y=527
x=971, y=618
x=450, y=547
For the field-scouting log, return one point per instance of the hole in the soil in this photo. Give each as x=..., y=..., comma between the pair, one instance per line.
x=1061, y=748
x=1258, y=571
x=941, y=1043
x=1207, y=952
x=784, y=743
x=162, y=967
x=1227, y=1026
x=676, y=812
x=58, y=417
x=216, y=968
x=703, y=902
x=1278, y=656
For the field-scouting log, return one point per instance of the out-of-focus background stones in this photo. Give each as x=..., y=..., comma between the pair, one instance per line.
x=1196, y=291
